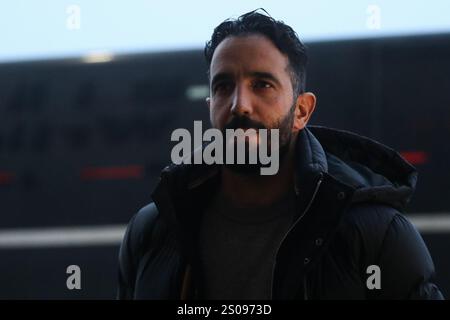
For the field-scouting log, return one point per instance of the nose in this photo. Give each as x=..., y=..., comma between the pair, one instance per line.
x=241, y=102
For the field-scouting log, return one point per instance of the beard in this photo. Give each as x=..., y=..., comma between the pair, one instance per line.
x=284, y=125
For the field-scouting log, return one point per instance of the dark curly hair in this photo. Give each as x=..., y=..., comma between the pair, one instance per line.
x=282, y=36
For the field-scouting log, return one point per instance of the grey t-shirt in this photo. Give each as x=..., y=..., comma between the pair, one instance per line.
x=238, y=246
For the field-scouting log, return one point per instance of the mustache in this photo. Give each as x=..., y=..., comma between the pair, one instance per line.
x=240, y=122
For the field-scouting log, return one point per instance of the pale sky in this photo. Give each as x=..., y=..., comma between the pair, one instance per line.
x=41, y=29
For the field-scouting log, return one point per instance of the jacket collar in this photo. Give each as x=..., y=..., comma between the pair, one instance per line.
x=178, y=180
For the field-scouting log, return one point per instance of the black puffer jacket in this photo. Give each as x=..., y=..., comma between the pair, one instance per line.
x=351, y=191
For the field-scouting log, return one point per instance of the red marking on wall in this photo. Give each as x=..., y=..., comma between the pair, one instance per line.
x=113, y=172
x=6, y=177
x=415, y=157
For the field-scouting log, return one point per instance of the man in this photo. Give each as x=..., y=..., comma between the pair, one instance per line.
x=327, y=225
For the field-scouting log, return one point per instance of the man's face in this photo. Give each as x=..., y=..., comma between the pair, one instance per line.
x=251, y=87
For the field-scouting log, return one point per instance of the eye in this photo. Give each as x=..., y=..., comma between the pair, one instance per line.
x=260, y=84
x=222, y=87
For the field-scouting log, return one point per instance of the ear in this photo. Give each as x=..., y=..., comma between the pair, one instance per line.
x=208, y=102
x=305, y=105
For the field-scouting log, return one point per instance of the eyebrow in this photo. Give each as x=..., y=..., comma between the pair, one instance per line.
x=265, y=75
x=255, y=74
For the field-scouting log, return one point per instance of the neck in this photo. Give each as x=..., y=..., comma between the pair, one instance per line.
x=259, y=190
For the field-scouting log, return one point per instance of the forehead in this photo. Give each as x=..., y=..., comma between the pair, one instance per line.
x=249, y=53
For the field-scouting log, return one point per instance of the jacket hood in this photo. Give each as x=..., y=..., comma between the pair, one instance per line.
x=376, y=172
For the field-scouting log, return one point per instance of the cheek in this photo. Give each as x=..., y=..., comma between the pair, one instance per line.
x=218, y=116
x=274, y=119
x=281, y=119
x=272, y=109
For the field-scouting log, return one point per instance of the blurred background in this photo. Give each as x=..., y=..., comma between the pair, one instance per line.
x=91, y=90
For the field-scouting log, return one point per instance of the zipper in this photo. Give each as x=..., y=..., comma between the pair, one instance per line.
x=290, y=229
